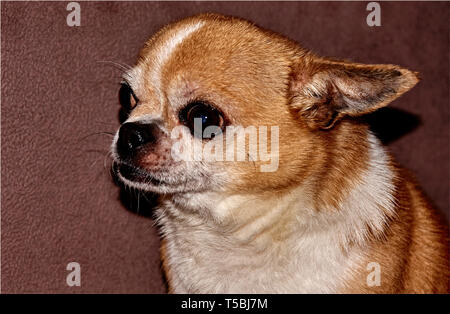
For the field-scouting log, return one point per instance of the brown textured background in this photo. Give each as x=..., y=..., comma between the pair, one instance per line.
x=58, y=201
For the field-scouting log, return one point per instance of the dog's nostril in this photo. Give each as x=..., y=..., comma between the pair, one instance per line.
x=137, y=138
x=134, y=135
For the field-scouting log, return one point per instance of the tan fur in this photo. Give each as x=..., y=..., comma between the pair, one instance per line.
x=337, y=201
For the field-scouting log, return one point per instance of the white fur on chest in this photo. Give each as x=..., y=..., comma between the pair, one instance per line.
x=313, y=255
x=202, y=262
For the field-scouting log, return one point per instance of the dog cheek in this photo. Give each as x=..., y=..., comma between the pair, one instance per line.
x=158, y=158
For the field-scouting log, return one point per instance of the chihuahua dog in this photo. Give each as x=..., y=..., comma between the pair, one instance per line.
x=327, y=210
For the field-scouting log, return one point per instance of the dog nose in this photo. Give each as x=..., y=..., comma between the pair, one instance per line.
x=133, y=136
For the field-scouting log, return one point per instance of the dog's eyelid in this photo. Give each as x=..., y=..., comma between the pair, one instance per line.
x=200, y=101
x=133, y=94
x=136, y=99
x=127, y=97
x=125, y=82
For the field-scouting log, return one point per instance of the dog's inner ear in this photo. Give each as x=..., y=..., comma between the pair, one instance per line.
x=322, y=90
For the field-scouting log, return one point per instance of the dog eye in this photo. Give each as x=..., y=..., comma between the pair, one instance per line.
x=127, y=98
x=208, y=115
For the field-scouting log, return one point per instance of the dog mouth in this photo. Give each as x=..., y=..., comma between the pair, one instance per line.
x=169, y=182
x=135, y=174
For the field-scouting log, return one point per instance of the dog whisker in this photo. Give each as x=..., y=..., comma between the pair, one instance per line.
x=121, y=66
x=111, y=134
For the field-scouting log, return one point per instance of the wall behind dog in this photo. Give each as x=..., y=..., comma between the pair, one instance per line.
x=58, y=201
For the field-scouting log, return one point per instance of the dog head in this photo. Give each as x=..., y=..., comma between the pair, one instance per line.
x=206, y=80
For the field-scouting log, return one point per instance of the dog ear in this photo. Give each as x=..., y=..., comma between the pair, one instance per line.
x=324, y=90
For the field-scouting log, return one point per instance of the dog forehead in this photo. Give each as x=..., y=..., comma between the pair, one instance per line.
x=204, y=29
x=219, y=44
x=207, y=42
x=155, y=54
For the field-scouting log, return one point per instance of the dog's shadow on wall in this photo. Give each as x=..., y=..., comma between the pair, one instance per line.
x=389, y=124
x=137, y=202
